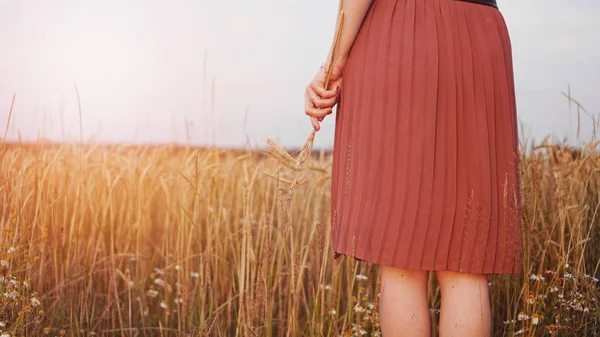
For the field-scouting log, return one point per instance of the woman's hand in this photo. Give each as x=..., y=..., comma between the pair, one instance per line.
x=319, y=101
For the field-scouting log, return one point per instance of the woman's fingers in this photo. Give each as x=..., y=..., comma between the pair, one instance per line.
x=325, y=103
x=320, y=102
x=308, y=104
x=312, y=111
x=320, y=90
x=318, y=86
x=315, y=123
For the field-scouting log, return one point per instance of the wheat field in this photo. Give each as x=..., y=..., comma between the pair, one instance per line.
x=118, y=240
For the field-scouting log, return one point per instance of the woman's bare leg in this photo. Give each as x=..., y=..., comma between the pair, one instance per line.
x=465, y=304
x=404, y=310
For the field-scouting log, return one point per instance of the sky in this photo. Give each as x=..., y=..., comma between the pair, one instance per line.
x=232, y=73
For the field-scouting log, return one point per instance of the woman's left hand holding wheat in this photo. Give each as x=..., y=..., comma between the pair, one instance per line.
x=318, y=100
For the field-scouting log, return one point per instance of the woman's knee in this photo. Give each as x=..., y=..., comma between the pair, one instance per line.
x=404, y=275
x=449, y=279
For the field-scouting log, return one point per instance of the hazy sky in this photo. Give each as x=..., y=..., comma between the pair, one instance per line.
x=138, y=65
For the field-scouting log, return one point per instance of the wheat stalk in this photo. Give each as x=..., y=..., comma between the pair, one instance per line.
x=276, y=151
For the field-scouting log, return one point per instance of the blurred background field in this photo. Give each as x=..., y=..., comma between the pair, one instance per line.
x=181, y=241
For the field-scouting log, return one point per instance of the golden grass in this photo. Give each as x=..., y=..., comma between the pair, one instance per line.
x=125, y=240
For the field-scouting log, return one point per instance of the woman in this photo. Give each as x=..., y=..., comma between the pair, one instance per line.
x=425, y=165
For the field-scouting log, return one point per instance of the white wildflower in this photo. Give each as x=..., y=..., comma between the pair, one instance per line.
x=6, y=334
x=179, y=300
x=537, y=277
x=522, y=316
x=2, y=324
x=159, y=282
x=361, y=277
x=35, y=302
x=4, y=263
x=158, y=271
x=520, y=331
x=535, y=320
x=195, y=275
x=331, y=312
x=11, y=250
x=152, y=293
x=512, y=321
x=569, y=276
x=26, y=284
x=164, y=305
x=131, y=284
x=177, y=267
x=326, y=287
x=358, y=308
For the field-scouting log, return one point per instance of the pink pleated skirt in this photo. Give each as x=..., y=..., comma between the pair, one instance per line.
x=425, y=171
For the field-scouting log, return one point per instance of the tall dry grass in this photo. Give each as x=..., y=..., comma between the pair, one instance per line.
x=166, y=241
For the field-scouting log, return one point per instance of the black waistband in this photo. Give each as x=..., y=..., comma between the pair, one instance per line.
x=491, y=3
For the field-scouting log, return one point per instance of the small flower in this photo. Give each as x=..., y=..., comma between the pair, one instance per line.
x=512, y=321
x=164, y=305
x=358, y=308
x=4, y=263
x=2, y=324
x=522, y=316
x=11, y=250
x=569, y=276
x=46, y=330
x=195, y=274
x=530, y=299
x=326, y=287
x=537, y=277
x=6, y=334
x=159, y=282
x=535, y=319
x=158, y=271
x=131, y=284
x=26, y=284
x=520, y=331
x=152, y=293
x=331, y=312
x=361, y=277
x=41, y=312
x=177, y=267
x=35, y=302
x=179, y=300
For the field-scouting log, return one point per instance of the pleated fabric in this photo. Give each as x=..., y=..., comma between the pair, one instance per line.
x=425, y=171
